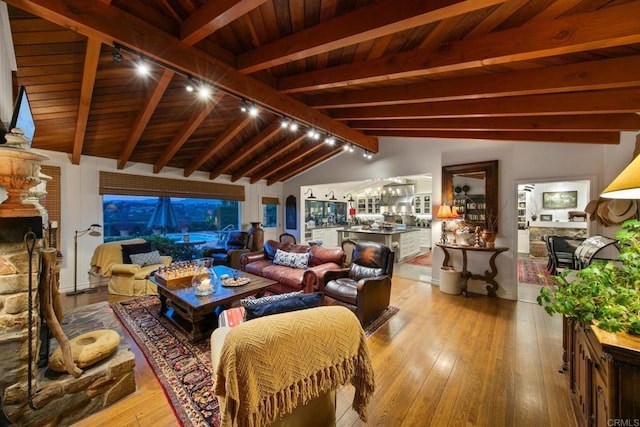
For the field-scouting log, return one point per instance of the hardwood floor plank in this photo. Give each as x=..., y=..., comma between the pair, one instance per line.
x=441, y=360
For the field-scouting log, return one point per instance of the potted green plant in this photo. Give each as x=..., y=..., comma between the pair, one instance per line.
x=606, y=293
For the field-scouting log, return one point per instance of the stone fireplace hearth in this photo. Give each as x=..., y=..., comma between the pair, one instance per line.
x=54, y=399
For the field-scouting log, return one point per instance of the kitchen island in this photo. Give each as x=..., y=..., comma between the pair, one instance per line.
x=405, y=243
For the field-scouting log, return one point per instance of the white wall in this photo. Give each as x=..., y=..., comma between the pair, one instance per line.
x=82, y=205
x=518, y=162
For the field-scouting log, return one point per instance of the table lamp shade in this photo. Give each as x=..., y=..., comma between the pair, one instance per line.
x=627, y=184
x=447, y=212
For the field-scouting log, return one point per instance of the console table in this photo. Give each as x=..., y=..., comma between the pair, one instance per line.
x=488, y=276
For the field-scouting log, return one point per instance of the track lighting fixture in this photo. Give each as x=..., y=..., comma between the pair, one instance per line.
x=117, y=56
x=189, y=86
x=313, y=134
x=309, y=191
x=333, y=196
x=143, y=66
x=204, y=89
x=249, y=108
x=366, y=154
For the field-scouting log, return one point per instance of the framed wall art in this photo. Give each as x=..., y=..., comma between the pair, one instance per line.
x=560, y=199
x=546, y=217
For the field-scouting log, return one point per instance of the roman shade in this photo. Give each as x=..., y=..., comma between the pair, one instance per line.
x=141, y=185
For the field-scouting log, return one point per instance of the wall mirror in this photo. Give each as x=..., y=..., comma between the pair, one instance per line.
x=473, y=189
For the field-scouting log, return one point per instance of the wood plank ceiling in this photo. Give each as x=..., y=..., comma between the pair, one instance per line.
x=517, y=70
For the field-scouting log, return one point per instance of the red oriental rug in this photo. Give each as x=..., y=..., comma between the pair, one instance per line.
x=530, y=270
x=423, y=259
x=182, y=368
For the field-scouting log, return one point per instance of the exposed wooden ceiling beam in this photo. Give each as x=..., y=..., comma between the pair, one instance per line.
x=249, y=147
x=220, y=141
x=303, y=165
x=571, y=123
x=590, y=102
x=274, y=167
x=365, y=23
x=109, y=24
x=570, y=34
x=185, y=132
x=602, y=74
x=495, y=18
x=212, y=16
x=144, y=115
x=267, y=157
x=569, y=137
x=170, y=9
x=92, y=56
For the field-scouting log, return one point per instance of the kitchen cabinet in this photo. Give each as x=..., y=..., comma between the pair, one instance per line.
x=425, y=238
x=409, y=245
x=422, y=204
x=329, y=236
x=368, y=205
x=604, y=373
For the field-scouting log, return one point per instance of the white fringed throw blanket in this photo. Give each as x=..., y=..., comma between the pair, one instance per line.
x=269, y=366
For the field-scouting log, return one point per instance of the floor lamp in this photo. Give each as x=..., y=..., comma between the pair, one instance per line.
x=93, y=230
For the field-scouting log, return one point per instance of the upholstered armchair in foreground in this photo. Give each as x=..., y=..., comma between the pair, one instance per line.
x=236, y=244
x=127, y=265
x=364, y=286
x=283, y=369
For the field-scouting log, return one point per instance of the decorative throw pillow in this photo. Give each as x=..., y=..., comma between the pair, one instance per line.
x=246, y=302
x=358, y=272
x=290, y=259
x=147, y=258
x=135, y=248
x=299, y=302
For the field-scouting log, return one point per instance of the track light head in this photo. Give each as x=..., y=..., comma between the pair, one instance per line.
x=204, y=91
x=143, y=67
x=117, y=56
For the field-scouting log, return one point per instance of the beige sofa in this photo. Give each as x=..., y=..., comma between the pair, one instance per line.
x=123, y=279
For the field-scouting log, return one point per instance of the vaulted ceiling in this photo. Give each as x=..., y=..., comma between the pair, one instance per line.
x=516, y=70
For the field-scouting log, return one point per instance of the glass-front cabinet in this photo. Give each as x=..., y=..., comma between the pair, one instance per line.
x=422, y=204
x=368, y=205
x=325, y=213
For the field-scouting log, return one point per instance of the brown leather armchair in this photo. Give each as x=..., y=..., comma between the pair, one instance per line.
x=236, y=244
x=364, y=286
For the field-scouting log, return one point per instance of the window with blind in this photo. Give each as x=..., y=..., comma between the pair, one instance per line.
x=136, y=205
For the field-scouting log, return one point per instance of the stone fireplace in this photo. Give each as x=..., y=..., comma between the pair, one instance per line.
x=30, y=395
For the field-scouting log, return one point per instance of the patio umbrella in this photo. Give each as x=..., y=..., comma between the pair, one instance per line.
x=163, y=215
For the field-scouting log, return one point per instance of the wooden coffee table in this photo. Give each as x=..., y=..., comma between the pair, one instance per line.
x=197, y=315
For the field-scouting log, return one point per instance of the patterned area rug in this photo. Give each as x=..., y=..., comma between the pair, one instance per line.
x=183, y=369
x=530, y=269
x=423, y=259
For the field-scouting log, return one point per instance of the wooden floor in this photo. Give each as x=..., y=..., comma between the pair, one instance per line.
x=441, y=361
